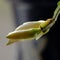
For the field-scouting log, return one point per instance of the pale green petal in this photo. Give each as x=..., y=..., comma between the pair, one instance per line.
x=23, y=34
x=11, y=41
x=30, y=25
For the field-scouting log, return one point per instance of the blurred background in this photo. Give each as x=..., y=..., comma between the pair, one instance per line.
x=15, y=12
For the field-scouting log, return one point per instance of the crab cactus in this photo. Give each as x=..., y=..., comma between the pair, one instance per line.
x=34, y=29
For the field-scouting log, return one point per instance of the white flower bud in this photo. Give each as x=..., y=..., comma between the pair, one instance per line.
x=28, y=31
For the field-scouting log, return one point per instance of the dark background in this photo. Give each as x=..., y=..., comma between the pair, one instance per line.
x=43, y=9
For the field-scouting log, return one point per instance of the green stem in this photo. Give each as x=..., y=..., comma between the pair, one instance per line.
x=55, y=16
x=56, y=12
